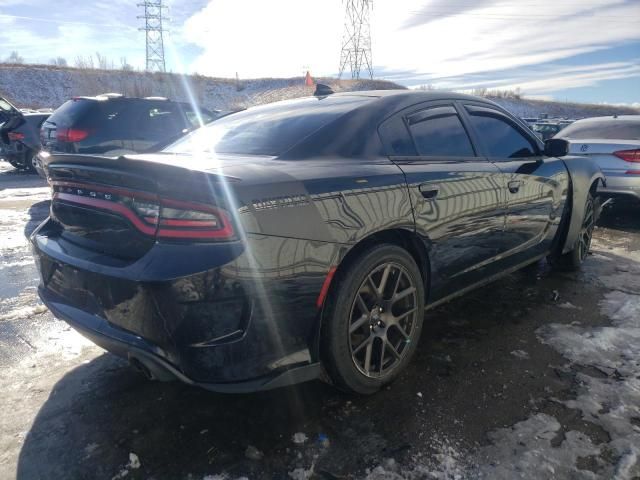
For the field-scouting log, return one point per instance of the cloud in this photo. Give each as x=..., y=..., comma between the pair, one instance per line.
x=536, y=81
x=71, y=29
x=436, y=9
x=429, y=42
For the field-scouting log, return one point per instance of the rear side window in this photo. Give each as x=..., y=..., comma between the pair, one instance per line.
x=266, y=130
x=607, y=129
x=159, y=121
x=500, y=138
x=439, y=132
x=194, y=120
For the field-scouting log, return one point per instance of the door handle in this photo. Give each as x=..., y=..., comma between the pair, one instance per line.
x=514, y=186
x=429, y=191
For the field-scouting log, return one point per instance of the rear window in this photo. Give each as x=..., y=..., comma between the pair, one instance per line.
x=609, y=129
x=266, y=130
x=70, y=112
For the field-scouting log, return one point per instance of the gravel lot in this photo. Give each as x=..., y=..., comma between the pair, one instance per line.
x=535, y=376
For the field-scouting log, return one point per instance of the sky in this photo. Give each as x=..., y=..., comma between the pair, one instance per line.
x=575, y=50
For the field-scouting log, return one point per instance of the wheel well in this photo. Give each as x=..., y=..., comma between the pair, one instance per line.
x=406, y=239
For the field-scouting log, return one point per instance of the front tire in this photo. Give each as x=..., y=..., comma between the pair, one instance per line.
x=373, y=319
x=574, y=259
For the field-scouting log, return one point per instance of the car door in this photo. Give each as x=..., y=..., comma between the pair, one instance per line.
x=456, y=195
x=535, y=187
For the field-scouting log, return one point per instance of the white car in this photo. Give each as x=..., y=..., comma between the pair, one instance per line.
x=614, y=143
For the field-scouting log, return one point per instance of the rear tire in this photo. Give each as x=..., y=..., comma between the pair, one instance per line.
x=373, y=319
x=15, y=164
x=573, y=260
x=31, y=159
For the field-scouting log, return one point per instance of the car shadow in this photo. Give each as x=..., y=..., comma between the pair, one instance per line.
x=37, y=212
x=621, y=214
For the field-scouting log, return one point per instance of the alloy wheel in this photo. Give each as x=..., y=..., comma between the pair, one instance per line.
x=586, y=233
x=382, y=320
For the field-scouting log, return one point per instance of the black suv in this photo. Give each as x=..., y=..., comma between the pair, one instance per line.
x=113, y=125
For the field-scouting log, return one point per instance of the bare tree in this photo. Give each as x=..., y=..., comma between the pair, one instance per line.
x=124, y=65
x=84, y=62
x=58, y=62
x=102, y=61
x=15, y=58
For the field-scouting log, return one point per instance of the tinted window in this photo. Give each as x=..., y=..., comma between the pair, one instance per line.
x=71, y=111
x=160, y=120
x=439, y=132
x=266, y=130
x=500, y=138
x=194, y=121
x=608, y=129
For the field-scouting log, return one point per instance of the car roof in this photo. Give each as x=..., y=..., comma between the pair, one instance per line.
x=119, y=97
x=412, y=96
x=389, y=101
x=618, y=118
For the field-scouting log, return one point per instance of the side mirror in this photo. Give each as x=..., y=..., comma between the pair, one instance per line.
x=556, y=147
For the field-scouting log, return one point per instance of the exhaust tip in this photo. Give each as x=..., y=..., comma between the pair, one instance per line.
x=141, y=368
x=150, y=369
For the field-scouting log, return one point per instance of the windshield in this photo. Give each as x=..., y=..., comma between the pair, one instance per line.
x=608, y=129
x=266, y=130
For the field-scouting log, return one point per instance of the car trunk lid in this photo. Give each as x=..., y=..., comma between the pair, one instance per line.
x=603, y=152
x=120, y=207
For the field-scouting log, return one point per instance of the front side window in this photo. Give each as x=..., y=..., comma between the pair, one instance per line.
x=500, y=138
x=438, y=132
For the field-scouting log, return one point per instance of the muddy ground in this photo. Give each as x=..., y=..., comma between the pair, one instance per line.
x=535, y=376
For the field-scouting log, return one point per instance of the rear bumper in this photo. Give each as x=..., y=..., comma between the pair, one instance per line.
x=138, y=350
x=621, y=184
x=233, y=327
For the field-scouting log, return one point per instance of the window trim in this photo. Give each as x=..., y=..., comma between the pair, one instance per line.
x=490, y=111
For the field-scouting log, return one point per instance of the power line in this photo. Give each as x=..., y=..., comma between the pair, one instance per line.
x=356, y=40
x=154, y=34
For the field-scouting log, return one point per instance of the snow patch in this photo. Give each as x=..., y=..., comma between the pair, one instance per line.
x=23, y=312
x=525, y=450
x=521, y=354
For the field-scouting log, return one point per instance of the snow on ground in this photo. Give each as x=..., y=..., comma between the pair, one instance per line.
x=607, y=395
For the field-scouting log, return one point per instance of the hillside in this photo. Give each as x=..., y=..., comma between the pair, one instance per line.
x=38, y=86
x=35, y=86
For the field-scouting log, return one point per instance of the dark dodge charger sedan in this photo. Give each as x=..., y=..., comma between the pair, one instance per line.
x=305, y=239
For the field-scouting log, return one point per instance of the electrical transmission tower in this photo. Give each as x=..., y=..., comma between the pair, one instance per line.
x=154, y=34
x=356, y=41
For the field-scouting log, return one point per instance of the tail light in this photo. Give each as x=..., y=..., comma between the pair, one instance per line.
x=71, y=135
x=179, y=219
x=160, y=217
x=15, y=136
x=632, y=156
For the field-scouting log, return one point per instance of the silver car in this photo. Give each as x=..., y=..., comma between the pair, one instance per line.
x=614, y=143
